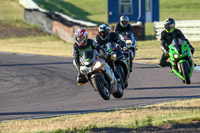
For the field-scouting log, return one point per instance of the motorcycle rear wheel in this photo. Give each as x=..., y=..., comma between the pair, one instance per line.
x=119, y=92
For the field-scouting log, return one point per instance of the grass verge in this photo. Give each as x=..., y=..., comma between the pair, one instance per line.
x=42, y=45
x=96, y=11
x=12, y=13
x=148, y=51
x=152, y=115
x=82, y=10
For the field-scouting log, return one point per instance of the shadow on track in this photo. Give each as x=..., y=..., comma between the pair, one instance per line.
x=34, y=64
x=162, y=97
x=147, y=67
x=165, y=87
x=46, y=112
x=43, y=114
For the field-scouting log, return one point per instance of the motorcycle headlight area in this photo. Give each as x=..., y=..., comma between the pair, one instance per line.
x=129, y=43
x=97, y=65
x=85, y=70
x=87, y=63
x=175, y=56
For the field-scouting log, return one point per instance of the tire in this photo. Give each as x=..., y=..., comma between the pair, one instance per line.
x=119, y=92
x=122, y=75
x=99, y=86
x=185, y=72
x=134, y=50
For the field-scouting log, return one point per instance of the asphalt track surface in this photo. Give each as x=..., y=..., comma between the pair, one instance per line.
x=42, y=86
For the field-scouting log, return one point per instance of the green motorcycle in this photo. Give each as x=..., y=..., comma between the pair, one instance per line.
x=181, y=60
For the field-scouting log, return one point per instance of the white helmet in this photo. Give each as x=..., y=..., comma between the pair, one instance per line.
x=104, y=31
x=124, y=20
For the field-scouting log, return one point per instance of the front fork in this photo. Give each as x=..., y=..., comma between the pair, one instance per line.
x=110, y=74
x=176, y=68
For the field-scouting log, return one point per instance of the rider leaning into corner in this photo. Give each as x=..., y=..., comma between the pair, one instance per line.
x=105, y=36
x=167, y=36
x=81, y=44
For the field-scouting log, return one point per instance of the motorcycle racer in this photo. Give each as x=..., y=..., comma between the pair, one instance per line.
x=81, y=44
x=167, y=36
x=123, y=25
x=105, y=35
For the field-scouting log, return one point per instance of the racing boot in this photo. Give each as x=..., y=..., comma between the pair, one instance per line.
x=81, y=79
x=80, y=83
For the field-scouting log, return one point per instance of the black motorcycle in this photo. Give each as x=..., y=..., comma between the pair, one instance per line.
x=120, y=62
x=130, y=40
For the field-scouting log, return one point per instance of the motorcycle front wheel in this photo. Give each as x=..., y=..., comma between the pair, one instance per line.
x=122, y=75
x=101, y=88
x=185, y=72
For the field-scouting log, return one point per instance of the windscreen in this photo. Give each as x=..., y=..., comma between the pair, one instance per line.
x=87, y=57
x=110, y=46
x=177, y=43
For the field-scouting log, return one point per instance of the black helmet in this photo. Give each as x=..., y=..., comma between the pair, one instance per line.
x=124, y=20
x=104, y=31
x=169, y=24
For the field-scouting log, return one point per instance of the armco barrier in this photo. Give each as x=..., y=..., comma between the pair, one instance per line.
x=190, y=28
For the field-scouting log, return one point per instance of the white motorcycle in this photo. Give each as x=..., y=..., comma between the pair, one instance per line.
x=99, y=74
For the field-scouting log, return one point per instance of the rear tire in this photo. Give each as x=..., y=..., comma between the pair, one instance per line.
x=122, y=75
x=119, y=92
x=99, y=86
x=185, y=72
x=134, y=50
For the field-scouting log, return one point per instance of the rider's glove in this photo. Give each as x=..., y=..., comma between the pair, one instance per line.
x=192, y=50
x=166, y=52
x=108, y=57
x=111, y=57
